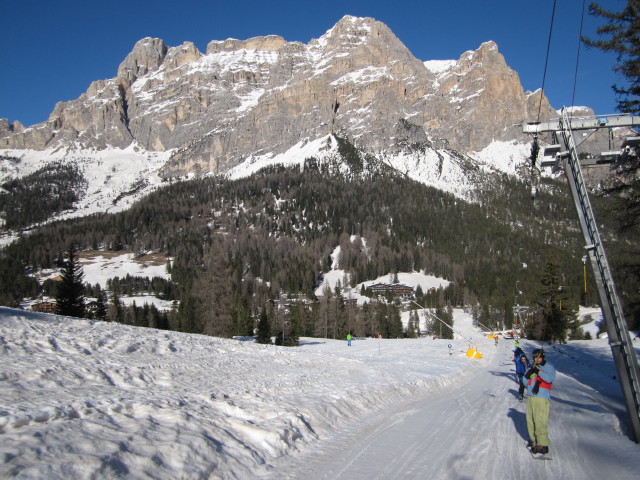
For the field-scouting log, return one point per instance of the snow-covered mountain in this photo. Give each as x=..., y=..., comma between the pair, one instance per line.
x=174, y=112
x=246, y=98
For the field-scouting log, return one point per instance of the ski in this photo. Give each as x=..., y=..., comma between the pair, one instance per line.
x=539, y=456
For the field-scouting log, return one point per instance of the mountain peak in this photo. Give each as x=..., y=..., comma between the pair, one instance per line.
x=147, y=55
x=361, y=30
x=263, y=95
x=271, y=43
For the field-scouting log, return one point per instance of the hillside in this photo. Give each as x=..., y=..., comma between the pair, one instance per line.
x=278, y=228
x=407, y=226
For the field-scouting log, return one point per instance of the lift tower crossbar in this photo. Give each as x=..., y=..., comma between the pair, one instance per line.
x=619, y=338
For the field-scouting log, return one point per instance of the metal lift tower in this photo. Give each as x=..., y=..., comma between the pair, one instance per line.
x=566, y=157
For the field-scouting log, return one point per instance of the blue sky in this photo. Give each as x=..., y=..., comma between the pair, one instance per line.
x=52, y=51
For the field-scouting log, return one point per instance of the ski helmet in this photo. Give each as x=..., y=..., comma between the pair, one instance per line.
x=538, y=352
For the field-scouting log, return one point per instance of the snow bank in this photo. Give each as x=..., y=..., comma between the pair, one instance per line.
x=85, y=399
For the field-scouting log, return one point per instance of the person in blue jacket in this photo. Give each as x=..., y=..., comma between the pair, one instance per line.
x=522, y=365
x=517, y=351
x=540, y=378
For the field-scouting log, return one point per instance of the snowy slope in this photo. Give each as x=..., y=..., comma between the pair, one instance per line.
x=82, y=399
x=116, y=178
x=336, y=276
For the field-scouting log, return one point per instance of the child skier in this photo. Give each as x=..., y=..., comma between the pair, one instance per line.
x=522, y=365
x=517, y=351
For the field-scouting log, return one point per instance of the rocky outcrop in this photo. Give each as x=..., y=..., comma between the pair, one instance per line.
x=480, y=99
x=146, y=57
x=245, y=98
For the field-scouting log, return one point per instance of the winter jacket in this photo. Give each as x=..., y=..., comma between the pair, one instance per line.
x=516, y=354
x=544, y=378
x=521, y=367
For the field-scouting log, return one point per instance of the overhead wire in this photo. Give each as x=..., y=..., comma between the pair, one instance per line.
x=535, y=148
x=546, y=61
x=575, y=75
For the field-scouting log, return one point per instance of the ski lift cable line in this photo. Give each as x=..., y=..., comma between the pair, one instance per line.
x=575, y=75
x=470, y=340
x=546, y=61
x=487, y=329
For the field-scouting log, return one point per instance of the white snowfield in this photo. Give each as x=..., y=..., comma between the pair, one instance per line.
x=92, y=400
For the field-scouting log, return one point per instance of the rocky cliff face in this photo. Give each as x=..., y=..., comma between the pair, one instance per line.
x=263, y=95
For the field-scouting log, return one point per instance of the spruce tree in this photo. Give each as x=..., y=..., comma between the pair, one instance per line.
x=395, y=329
x=551, y=320
x=70, y=291
x=101, y=307
x=621, y=35
x=264, y=329
x=412, y=325
x=117, y=310
x=445, y=317
x=212, y=293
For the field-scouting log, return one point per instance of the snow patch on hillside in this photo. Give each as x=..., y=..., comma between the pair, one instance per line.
x=440, y=66
x=295, y=156
x=506, y=157
x=338, y=277
x=115, y=177
x=436, y=168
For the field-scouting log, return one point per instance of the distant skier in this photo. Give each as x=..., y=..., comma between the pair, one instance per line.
x=540, y=381
x=349, y=337
x=522, y=365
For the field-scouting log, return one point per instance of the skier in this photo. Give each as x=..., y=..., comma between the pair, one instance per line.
x=540, y=381
x=517, y=351
x=349, y=337
x=522, y=365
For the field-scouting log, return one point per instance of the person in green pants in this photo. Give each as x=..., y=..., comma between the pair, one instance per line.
x=540, y=381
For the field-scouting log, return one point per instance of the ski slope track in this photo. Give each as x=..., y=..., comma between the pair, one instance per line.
x=476, y=430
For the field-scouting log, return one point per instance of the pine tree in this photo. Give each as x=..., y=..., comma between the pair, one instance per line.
x=117, y=310
x=101, y=307
x=70, y=291
x=295, y=321
x=551, y=320
x=264, y=329
x=445, y=317
x=622, y=36
x=212, y=293
x=448, y=318
x=412, y=325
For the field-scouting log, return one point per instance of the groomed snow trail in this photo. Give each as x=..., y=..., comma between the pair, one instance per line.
x=473, y=430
